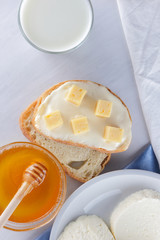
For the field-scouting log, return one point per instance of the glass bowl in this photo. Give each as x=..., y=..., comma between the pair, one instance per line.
x=48, y=216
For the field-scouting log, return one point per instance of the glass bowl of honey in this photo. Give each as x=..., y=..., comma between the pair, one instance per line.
x=43, y=203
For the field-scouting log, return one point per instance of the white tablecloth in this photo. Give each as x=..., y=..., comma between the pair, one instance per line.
x=141, y=20
x=26, y=72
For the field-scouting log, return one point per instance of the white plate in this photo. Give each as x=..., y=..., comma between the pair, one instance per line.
x=100, y=195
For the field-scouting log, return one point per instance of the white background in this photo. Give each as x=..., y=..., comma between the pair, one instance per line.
x=26, y=72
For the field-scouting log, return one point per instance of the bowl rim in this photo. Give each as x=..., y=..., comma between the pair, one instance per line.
x=50, y=215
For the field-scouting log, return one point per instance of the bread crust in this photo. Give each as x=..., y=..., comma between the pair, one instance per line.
x=47, y=92
x=26, y=131
x=22, y=118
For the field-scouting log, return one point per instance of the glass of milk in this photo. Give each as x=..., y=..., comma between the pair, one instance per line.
x=55, y=26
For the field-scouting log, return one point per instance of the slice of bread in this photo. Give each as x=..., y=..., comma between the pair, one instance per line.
x=80, y=163
x=120, y=116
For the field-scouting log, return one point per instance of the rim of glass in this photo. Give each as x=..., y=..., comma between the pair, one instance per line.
x=54, y=52
x=50, y=215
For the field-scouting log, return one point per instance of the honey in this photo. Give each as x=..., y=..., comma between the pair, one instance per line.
x=41, y=200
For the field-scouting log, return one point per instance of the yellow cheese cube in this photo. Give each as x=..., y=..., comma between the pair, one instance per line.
x=113, y=134
x=76, y=95
x=80, y=125
x=103, y=108
x=53, y=120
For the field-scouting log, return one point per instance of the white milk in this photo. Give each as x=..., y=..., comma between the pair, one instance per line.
x=56, y=25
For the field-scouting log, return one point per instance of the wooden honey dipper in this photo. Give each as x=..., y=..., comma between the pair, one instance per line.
x=33, y=176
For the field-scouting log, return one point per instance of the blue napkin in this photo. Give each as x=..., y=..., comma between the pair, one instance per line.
x=146, y=161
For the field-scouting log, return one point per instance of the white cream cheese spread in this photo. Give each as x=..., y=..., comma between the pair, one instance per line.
x=94, y=137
